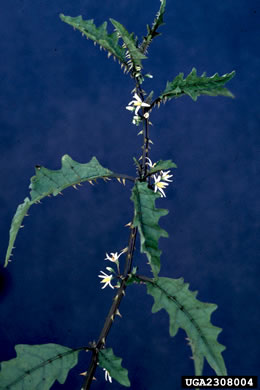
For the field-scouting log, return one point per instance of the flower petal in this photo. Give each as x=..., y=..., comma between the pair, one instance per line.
x=130, y=108
x=137, y=97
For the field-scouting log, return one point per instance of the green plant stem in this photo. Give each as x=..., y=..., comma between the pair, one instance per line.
x=112, y=311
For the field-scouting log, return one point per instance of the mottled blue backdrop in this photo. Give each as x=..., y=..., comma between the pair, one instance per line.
x=59, y=94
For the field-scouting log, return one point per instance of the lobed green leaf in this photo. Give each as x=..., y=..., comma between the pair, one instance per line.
x=195, y=86
x=48, y=182
x=192, y=315
x=112, y=364
x=52, y=182
x=37, y=367
x=99, y=35
x=16, y=224
x=152, y=31
x=146, y=217
x=133, y=53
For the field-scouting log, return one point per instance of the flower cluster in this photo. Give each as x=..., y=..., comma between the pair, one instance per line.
x=161, y=180
x=113, y=257
x=135, y=106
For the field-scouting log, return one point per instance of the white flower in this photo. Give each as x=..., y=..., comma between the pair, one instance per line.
x=162, y=181
x=107, y=376
x=149, y=163
x=159, y=185
x=106, y=279
x=137, y=103
x=114, y=256
x=165, y=176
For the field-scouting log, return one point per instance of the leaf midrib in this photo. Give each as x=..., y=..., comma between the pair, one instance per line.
x=190, y=318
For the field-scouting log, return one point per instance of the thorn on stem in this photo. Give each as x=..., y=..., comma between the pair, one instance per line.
x=118, y=313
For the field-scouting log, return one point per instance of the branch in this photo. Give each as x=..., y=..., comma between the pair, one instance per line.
x=112, y=312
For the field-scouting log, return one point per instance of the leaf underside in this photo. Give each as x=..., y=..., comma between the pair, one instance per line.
x=192, y=315
x=48, y=182
x=37, y=367
x=112, y=364
x=195, y=86
x=152, y=31
x=146, y=218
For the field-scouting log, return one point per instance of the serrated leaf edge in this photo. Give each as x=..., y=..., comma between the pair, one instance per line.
x=115, y=358
x=35, y=368
x=103, y=43
x=181, y=87
x=152, y=31
x=190, y=318
x=23, y=208
x=138, y=222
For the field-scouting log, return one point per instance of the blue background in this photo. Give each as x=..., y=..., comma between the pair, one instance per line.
x=59, y=94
